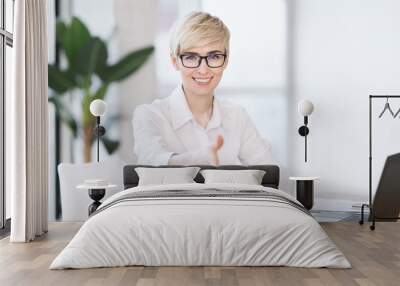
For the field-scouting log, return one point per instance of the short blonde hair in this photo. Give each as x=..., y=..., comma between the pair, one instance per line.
x=197, y=29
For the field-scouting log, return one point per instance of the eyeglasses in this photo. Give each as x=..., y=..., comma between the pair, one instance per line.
x=194, y=61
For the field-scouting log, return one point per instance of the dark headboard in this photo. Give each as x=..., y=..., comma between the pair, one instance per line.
x=270, y=179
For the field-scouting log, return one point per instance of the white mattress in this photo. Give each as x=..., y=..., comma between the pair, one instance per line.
x=200, y=231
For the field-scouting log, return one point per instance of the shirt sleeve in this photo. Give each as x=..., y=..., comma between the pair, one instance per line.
x=254, y=150
x=150, y=147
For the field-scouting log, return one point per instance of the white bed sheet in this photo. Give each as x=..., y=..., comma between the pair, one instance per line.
x=193, y=231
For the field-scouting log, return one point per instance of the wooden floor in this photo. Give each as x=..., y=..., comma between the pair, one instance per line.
x=375, y=257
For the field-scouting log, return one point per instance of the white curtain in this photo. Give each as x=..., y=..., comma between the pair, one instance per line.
x=28, y=122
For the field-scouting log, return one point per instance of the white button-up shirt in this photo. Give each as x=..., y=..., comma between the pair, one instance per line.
x=165, y=132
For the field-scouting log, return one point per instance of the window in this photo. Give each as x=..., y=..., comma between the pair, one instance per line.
x=6, y=43
x=167, y=78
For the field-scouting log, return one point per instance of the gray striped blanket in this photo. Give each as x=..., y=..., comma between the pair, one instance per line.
x=206, y=194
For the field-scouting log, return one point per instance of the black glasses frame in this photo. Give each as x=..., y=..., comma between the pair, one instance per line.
x=201, y=59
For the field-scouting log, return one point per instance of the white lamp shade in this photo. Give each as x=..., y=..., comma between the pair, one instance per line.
x=305, y=107
x=98, y=107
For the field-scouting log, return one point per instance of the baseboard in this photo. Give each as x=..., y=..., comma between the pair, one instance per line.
x=337, y=205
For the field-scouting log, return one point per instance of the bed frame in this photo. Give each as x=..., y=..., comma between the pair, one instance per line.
x=270, y=179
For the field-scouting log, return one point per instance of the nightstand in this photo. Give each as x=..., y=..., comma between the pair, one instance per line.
x=305, y=190
x=96, y=189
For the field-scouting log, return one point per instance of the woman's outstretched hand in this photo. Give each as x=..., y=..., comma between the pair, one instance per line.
x=215, y=148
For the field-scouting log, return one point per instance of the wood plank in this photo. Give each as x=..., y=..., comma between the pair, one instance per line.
x=375, y=257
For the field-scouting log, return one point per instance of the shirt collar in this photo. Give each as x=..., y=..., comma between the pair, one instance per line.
x=181, y=114
x=178, y=108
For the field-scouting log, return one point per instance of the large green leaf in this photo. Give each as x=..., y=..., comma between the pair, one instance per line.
x=65, y=114
x=110, y=145
x=60, y=31
x=101, y=92
x=92, y=56
x=59, y=80
x=75, y=37
x=126, y=66
x=102, y=55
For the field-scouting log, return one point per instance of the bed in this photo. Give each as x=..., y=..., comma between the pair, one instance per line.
x=201, y=224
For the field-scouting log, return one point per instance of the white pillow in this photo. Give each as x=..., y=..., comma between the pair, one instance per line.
x=163, y=176
x=248, y=177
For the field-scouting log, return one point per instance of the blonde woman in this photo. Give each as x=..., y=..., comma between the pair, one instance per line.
x=191, y=126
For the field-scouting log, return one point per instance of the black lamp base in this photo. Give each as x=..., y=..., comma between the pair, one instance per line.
x=303, y=130
x=305, y=193
x=100, y=130
x=96, y=195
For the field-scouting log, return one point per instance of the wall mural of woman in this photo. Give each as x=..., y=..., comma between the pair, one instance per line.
x=191, y=126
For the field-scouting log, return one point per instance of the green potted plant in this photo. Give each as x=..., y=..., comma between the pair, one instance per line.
x=86, y=57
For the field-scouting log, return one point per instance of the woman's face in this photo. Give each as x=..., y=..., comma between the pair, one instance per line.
x=201, y=80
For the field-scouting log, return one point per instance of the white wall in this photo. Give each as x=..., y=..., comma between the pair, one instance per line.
x=343, y=51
